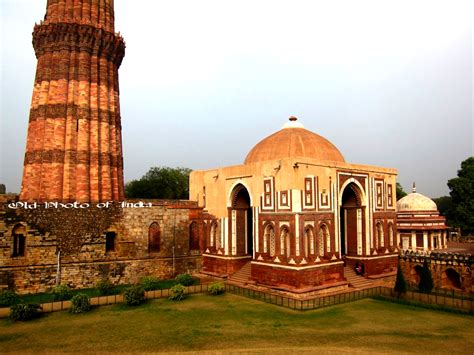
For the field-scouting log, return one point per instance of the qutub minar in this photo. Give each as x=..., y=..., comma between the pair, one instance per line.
x=295, y=216
x=74, y=145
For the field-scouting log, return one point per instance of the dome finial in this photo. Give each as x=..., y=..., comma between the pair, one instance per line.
x=414, y=187
x=293, y=123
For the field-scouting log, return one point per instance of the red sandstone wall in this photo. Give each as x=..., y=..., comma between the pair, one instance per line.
x=74, y=144
x=223, y=267
x=289, y=278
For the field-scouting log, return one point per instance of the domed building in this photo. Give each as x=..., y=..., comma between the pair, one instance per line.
x=419, y=225
x=296, y=213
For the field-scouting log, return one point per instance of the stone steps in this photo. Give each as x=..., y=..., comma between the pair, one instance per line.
x=242, y=276
x=355, y=280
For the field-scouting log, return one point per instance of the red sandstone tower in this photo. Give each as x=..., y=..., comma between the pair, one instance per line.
x=74, y=144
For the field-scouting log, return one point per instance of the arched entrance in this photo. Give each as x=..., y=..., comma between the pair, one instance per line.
x=416, y=275
x=241, y=218
x=452, y=279
x=154, y=238
x=352, y=221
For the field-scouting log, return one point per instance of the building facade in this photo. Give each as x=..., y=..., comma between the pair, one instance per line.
x=419, y=224
x=298, y=212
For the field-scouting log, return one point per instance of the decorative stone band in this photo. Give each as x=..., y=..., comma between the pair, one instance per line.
x=80, y=67
x=419, y=256
x=298, y=267
x=57, y=156
x=78, y=37
x=81, y=113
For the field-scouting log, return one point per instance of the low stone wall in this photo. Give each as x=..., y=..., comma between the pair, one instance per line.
x=140, y=241
x=34, y=279
x=449, y=271
x=375, y=265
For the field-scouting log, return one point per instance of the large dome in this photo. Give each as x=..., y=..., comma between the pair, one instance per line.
x=294, y=141
x=416, y=202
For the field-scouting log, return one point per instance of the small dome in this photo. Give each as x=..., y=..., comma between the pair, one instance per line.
x=416, y=202
x=293, y=140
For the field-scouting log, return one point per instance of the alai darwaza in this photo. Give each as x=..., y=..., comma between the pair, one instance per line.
x=295, y=213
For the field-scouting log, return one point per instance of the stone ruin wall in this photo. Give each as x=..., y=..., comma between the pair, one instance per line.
x=130, y=260
x=440, y=264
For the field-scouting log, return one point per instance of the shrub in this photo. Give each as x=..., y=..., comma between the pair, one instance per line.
x=134, y=295
x=105, y=287
x=177, y=293
x=400, y=283
x=149, y=283
x=23, y=311
x=426, y=280
x=61, y=293
x=80, y=303
x=216, y=288
x=184, y=279
x=8, y=298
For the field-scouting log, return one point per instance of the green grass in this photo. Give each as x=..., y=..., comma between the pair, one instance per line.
x=436, y=307
x=231, y=322
x=91, y=292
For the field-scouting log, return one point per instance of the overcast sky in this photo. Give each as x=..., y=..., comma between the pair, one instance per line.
x=390, y=83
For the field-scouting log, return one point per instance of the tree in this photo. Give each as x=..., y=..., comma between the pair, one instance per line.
x=160, y=182
x=462, y=194
x=426, y=280
x=400, y=192
x=444, y=204
x=400, y=283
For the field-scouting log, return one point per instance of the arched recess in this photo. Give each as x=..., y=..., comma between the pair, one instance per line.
x=285, y=248
x=269, y=239
x=213, y=235
x=379, y=235
x=154, y=238
x=241, y=218
x=390, y=234
x=418, y=269
x=352, y=221
x=308, y=241
x=452, y=279
x=235, y=188
x=194, y=236
x=324, y=240
x=19, y=240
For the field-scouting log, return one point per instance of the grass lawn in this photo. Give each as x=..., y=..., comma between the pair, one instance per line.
x=230, y=322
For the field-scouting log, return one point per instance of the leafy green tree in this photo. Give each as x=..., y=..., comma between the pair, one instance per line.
x=400, y=192
x=462, y=194
x=426, y=280
x=160, y=182
x=444, y=204
x=400, y=283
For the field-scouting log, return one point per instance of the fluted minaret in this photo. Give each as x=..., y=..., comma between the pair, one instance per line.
x=74, y=144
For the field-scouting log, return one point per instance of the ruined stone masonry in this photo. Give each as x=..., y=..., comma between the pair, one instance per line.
x=450, y=271
x=74, y=144
x=160, y=241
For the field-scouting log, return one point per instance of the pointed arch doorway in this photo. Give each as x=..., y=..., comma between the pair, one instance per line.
x=241, y=222
x=352, y=221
